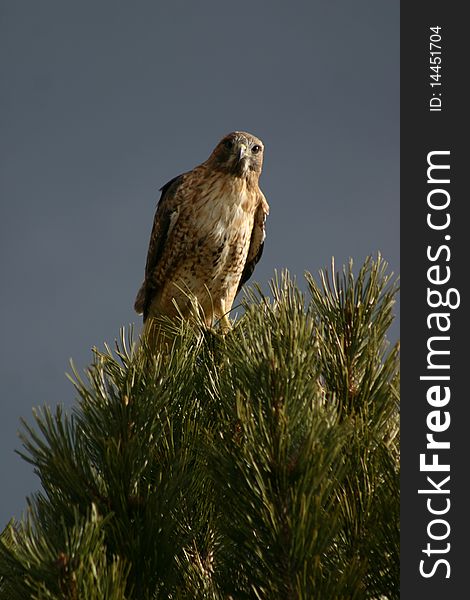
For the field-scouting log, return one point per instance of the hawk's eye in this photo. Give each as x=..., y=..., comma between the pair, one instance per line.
x=256, y=149
x=228, y=144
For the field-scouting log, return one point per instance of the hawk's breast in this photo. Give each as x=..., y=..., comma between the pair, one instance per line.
x=218, y=243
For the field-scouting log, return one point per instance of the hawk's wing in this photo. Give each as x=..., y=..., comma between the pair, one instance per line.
x=163, y=223
x=257, y=241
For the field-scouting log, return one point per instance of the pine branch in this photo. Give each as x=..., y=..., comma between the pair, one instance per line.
x=259, y=464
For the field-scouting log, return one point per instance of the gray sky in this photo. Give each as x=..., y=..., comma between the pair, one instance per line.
x=103, y=102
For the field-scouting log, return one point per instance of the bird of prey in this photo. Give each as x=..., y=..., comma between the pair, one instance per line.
x=207, y=236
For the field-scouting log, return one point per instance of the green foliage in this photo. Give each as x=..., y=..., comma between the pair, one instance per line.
x=261, y=464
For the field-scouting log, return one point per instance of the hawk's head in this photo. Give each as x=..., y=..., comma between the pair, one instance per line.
x=239, y=153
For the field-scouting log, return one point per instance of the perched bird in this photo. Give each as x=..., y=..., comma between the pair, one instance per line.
x=208, y=234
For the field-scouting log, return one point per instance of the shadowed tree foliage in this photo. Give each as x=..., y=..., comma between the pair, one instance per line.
x=262, y=464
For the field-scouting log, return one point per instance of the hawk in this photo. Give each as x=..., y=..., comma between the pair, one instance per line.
x=208, y=234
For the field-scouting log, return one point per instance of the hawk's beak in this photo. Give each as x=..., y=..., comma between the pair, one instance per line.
x=241, y=152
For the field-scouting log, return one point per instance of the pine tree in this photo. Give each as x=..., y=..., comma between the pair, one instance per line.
x=258, y=464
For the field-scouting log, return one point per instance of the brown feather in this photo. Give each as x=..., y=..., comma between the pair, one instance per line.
x=208, y=233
